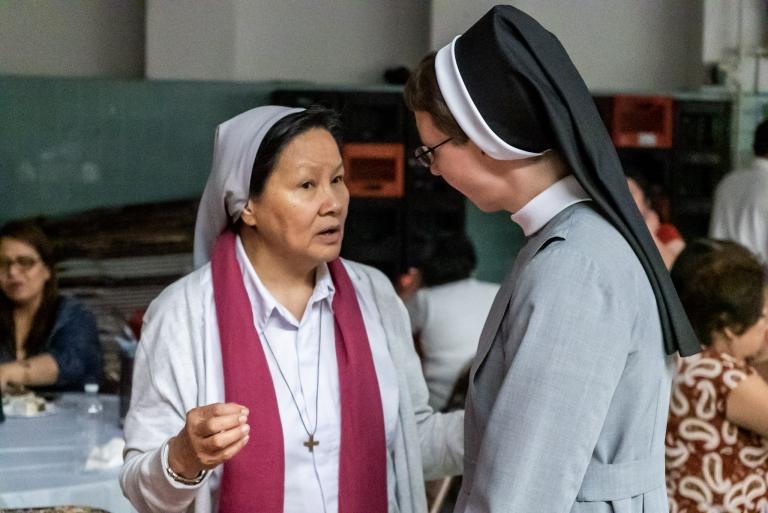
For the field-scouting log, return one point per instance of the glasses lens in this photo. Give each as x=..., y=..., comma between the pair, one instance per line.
x=423, y=156
x=25, y=263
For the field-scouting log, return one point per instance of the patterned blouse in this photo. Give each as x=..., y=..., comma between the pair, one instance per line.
x=713, y=466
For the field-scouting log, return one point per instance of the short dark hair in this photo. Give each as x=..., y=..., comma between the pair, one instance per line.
x=42, y=324
x=721, y=285
x=422, y=93
x=760, y=142
x=451, y=258
x=282, y=133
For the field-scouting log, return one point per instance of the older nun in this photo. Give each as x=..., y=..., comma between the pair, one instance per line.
x=278, y=377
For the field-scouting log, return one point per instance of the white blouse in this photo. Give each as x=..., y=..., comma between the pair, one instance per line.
x=294, y=350
x=178, y=367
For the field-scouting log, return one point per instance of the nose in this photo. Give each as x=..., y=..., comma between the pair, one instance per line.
x=334, y=200
x=11, y=270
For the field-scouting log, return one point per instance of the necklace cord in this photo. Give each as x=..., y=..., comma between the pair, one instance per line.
x=296, y=404
x=310, y=434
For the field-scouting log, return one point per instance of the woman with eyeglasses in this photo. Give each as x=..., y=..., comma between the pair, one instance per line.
x=46, y=340
x=569, y=388
x=716, y=453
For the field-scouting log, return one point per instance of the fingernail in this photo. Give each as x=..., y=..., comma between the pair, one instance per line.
x=242, y=419
x=244, y=411
x=245, y=428
x=245, y=440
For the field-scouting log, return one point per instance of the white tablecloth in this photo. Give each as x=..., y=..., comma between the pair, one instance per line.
x=42, y=460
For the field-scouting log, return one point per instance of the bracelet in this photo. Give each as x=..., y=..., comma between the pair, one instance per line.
x=178, y=478
x=183, y=480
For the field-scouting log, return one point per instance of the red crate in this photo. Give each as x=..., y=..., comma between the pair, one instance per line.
x=374, y=169
x=641, y=121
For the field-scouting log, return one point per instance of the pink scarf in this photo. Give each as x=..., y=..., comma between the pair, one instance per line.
x=254, y=479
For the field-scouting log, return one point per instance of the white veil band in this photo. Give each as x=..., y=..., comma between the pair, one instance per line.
x=226, y=193
x=466, y=113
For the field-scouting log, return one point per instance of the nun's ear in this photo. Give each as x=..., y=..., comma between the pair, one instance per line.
x=248, y=215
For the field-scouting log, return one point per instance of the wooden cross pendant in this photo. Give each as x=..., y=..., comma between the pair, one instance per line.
x=311, y=443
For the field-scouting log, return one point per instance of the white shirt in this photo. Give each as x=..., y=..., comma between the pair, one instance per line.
x=178, y=367
x=448, y=319
x=548, y=203
x=294, y=344
x=740, y=210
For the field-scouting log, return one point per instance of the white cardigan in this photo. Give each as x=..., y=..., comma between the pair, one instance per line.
x=174, y=363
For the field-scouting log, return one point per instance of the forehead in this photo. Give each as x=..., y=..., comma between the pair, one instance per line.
x=15, y=247
x=315, y=148
x=428, y=131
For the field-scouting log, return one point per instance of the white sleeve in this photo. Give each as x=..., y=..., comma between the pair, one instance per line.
x=164, y=388
x=417, y=310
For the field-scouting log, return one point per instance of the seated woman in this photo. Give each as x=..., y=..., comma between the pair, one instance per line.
x=278, y=377
x=717, y=458
x=46, y=340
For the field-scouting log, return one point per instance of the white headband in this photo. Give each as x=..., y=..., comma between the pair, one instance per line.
x=226, y=192
x=465, y=112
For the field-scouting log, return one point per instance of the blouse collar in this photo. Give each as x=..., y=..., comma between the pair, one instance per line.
x=264, y=303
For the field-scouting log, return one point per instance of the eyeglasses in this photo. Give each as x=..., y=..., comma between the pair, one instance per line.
x=25, y=263
x=425, y=155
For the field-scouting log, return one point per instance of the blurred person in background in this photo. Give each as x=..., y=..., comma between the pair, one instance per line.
x=716, y=455
x=47, y=340
x=740, y=210
x=668, y=239
x=447, y=314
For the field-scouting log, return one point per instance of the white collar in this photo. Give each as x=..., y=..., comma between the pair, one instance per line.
x=264, y=303
x=548, y=203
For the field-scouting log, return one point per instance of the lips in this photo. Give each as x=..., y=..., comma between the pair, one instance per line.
x=13, y=289
x=331, y=229
x=330, y=235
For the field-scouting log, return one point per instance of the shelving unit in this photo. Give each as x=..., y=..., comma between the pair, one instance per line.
x=688, y=170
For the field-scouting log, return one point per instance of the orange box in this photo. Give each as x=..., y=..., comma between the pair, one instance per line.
x=641, y=121
x=374, y=170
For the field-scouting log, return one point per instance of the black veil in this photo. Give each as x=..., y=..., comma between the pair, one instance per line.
x=518, y=75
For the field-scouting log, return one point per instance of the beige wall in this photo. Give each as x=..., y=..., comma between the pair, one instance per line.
x=103, y=38
x=640, y=45
x=644, y=45
x=331, y=41
x=191, y=39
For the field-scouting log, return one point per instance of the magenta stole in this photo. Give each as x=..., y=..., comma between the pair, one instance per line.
x=253, y=481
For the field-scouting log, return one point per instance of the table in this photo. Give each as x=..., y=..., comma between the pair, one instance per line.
x=42, y=459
